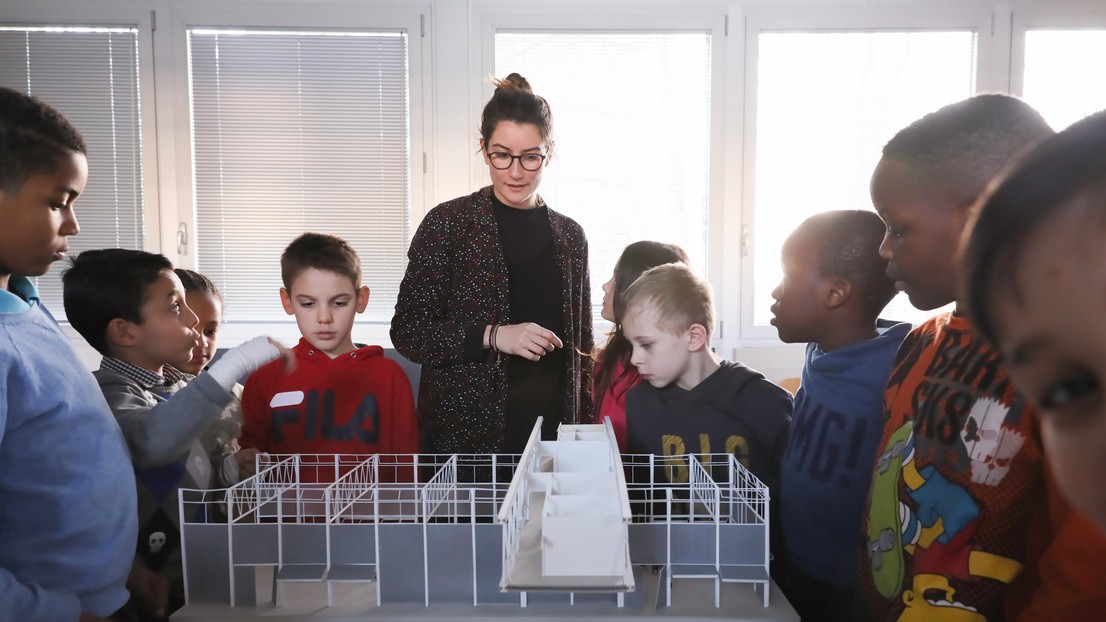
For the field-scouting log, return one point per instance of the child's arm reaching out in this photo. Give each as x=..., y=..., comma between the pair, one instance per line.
x=246, y=358
x=158, y=434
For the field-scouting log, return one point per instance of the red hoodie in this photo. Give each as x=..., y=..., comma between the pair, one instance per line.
x=357, y=403
x=613, y=406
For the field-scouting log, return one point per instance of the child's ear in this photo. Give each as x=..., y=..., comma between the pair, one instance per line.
x=362, y=299
x=839, y=292
x=698, y=338
x=286, y=301
x=120, y=332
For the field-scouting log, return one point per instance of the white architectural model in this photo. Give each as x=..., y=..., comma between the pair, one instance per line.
x=568, y=521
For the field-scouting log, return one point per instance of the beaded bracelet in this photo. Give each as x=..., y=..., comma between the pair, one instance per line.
x=491, y=339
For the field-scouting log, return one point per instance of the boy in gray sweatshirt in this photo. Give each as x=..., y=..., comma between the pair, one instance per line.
x=130, y=306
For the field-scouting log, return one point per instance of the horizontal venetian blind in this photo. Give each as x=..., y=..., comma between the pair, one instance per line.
x=295, y=132
x=91, y=76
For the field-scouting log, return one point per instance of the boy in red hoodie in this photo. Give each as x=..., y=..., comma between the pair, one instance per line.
x=341, y=398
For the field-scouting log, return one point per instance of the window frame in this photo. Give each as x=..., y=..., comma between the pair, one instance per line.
x=410, y=17
x=488, y=19
x=447, y=95
x=1060, y=17
x=992, y=74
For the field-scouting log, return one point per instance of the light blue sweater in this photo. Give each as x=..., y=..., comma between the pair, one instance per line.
x=827, y=466
x=68, y=522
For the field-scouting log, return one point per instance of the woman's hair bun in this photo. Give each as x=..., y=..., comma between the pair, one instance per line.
x=513, y=82
x=514, y=100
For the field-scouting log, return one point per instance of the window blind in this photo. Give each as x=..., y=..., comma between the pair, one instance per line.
x=91, y=76
x=295, y=132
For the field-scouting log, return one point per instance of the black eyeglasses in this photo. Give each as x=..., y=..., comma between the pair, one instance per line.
x=528, y=161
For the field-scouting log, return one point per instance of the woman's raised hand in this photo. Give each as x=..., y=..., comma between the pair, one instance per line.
x=528, y=340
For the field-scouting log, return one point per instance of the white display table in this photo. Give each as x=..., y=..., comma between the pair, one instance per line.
x=693, y=600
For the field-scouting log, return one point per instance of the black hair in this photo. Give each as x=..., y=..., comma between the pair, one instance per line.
x=321, y=251
x=1049, y=179
x=514, y=100
x=102, y=285
x=848, y=247
x=635, y=259
x=195, y=282
x=958, y=149
x=33, y=136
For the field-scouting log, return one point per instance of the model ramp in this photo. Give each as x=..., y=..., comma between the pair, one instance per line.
x=566, y=515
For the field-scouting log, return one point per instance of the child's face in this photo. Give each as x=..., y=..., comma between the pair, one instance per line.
x=515, y=186
x=608, y=299
x=1052, y=334
x=325, y=304
x=209, y=312
x=660, y=357
x=800, y=295
x=38, y=216
x=922, y=236
x=167, y=333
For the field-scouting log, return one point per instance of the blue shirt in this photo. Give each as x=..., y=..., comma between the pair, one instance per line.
x=19, y=299
x=68, y=516
x=827, y=466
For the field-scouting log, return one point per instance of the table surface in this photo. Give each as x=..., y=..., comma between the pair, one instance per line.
x=693, y=599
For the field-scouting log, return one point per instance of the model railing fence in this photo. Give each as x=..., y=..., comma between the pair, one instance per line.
x=328, y=492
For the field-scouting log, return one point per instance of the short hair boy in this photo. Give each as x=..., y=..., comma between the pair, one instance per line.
x=341, y=398
x=67, y=504
x=130, y=306
x=962, y=512
x=692, y=401
x=1034, y=275
x=833, y=289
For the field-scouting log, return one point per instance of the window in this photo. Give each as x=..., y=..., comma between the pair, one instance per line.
x=1056, y=79
x=91, y=76
x=632, y=126
x=297, y=131
x=826, y=103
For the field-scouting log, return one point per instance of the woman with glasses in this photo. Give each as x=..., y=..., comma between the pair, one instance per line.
x=495, y=303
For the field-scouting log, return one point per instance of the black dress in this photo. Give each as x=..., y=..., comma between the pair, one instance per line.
x=534, y=277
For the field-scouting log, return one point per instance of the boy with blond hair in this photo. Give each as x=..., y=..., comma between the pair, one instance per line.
x=692, y=401
x=342, y=398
